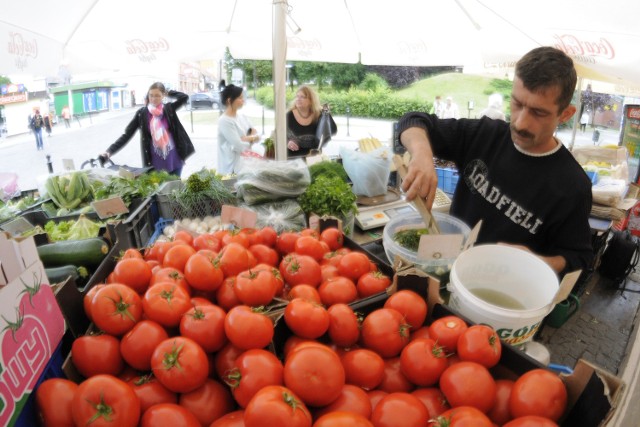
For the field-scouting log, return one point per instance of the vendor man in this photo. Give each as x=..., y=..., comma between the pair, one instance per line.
x=516, y=177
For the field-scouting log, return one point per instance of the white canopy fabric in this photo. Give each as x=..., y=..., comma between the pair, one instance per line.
x=42, y=38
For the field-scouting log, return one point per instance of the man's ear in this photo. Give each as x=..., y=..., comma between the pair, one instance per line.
x=567, y=113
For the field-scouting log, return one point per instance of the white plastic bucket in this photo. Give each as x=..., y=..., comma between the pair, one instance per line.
x=519, y=274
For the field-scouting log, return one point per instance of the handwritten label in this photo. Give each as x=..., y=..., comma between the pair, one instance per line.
x=239, y=217
x=109, y=207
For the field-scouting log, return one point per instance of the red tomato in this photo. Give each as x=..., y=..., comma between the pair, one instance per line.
x=180, y=364
x=178, y=256
x=393, y=380
x=411, y=305
x=433, y=399
x=353, y=265
x=462, y=416
x=276, y=406
x=446, y=331
x=207, y=241
x=53, y=400
x=362, y=367
x=399, y=410
x=255, y=287
x=469, y=384
x=165, y=303
x=205, y=325
x=531, y=421
x=248, y=328
x=352, y=399
x=315, y=374
x=97, y=354
x=268, y=236
x=137, y=345
x=372, y=283
x=168, y=414
x=234, y=259
x=333, y=237
x=232, y=419
x=308, y=245
x=184, y=236
x=342, y=419
x=338, y=290
x=481, y=344
x=344, y=326
x=253, y=235
x=423, y=361
x=500, y=414
x=199, y=301
x=225, y=359
x=253, y=370
x=422, y=332
x=170, y=274
x=235, y=236
x=307, y=292
x=104, y=400
x=306, y=319
x=209, y=402
x=133, y=272
x=151, y=392
x=116, y=308
x=226, y=295
x=376, y=396
x=88, y=298
x=265, y=254
x=538, y=392
x=203, y=273
x=384, y=331
x=298, y=269
x=131, y=253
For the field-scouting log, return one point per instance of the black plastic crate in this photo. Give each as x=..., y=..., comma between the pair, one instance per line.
x=136, y=230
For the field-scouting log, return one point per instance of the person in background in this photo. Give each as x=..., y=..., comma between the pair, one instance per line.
x=36, y=124
x=302, y=122
x=66, y=115
x=584, y=121
x=450, y=110
x=522, y=182
x=164, y=143
x=47, y=124
x=494, y=109
x=235, y=133
x=437, y=106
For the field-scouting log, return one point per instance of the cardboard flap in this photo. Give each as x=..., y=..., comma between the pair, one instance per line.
x=566, y=286
x=473, y=236
x=239, y=217
x=439, y=246
x=16, y=255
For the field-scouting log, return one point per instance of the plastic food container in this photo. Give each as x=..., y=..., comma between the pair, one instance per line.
x=447, y=224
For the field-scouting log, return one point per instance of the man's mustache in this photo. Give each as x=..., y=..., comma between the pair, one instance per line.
x=522, y=133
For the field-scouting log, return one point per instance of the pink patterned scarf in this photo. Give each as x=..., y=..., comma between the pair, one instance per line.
x=159, y=133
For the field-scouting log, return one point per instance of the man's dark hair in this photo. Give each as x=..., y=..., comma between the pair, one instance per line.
x=231, y=93
x=545, y=67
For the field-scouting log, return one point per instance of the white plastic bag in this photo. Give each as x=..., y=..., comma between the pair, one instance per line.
x=369, y=172
x=8, y=186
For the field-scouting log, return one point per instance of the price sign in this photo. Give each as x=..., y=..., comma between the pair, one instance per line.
x=109, y=207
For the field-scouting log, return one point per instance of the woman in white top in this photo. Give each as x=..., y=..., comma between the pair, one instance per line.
x=235, y=133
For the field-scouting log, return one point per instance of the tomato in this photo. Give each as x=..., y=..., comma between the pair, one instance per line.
x=232, y=419
x=265, y=254
x=276, y=406
x=530, y=421
x=165, y=303
x=234, y=259
x=131, y=253
x=446, y=331
x=538, y=392
x=308, y=245
x=180, y=364
x=151, y=392
x=500, y=414
x=255, y=287
x=469, y=384
x=205, y=325
x=209, y=402
x=88, y=298
x=372, y=283
x=203, y=273
x=422, y=332
x=481, y=344
x=307, y=292
x=298, y=269
x=411, y=305
x=104, y=400
x=433, y=399
x=235, y=236
x=399, y=410
x=53, y=400
x=178, y=256
x=268, y=236
x=184, y=236
x=152, y=252
x=137, y=345
x=423, y=361
x=315, y=374
x=353, y=265
x=226, y=295
x=97, y=354
x=362, y=367
x=333, y=237
x=286, y=241
x=207, y=241
x=201, y=300
x=225, y=359
x=351, y=399
x=248, y=328
x=170, y=274
x=253, y=370
x=342, y=419
x=337, y=290
x=375, y=396
x=393, y=380
x=344, y=326
x=385, y=332
x=133, y=272
x=306, y=319
x=168, y=414
x=462, y=416
x=116, y=308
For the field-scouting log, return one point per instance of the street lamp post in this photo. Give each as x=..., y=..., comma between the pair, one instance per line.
x=470, y=106
x=348, y=114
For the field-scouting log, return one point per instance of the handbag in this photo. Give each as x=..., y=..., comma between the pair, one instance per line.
x=323, y=132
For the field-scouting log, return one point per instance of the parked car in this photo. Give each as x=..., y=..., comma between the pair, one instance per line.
x=204, y=100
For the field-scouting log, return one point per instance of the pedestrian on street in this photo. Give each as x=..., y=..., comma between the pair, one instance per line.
x=36, y=125
x=66, y=115
x=584, y=121
x=164, y=142
x=47, y=124
x=521, y=181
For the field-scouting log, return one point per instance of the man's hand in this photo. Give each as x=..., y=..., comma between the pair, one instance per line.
x=421, y=180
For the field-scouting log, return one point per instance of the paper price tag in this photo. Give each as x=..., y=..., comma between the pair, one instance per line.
x=238, y=216
x=439, y=246
x=109, y=207
x=68, y=164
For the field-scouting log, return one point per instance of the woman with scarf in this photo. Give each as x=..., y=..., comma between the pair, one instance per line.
x=164, y=142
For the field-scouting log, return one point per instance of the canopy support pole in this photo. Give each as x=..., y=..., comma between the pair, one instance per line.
x=279, y=42
x=576, y=120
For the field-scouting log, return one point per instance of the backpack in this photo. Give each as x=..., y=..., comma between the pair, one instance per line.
x=620, y=257
x=37, y=122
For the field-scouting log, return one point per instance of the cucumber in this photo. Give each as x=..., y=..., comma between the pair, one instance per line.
x=60, y=274
x=86, y=252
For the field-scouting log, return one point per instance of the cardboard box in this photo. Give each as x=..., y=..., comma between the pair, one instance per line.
x=33, y=324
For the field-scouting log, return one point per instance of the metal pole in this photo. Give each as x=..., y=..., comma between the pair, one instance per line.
x=348, y=114
x=263, y=119
x=49, y=163
x=191, y=114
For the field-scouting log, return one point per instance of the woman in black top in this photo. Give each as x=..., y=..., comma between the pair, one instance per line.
x=302, y=123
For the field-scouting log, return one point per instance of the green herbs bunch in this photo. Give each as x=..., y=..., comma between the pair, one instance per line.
x=328, y=195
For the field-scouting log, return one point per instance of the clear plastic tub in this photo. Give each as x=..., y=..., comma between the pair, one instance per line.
x=447, y=224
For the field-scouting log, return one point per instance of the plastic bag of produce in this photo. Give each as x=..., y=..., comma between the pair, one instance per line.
x=8, y=186
x=369, y=172
x=282, y=216
x=260, y=180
